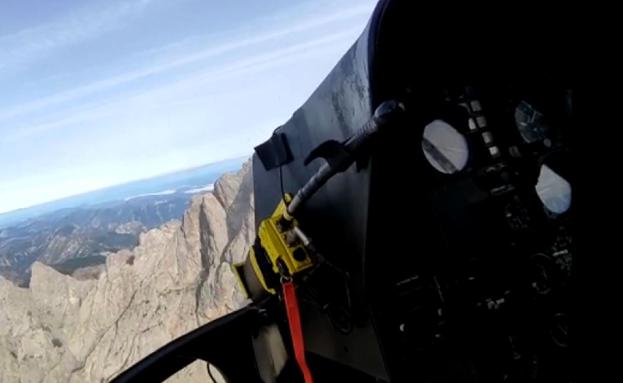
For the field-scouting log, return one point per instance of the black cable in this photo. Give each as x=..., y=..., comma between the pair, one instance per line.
x=283, y=194
x=210, y=374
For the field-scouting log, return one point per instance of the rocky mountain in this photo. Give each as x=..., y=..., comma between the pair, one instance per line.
x=82, y=236
x=81, y=230
x=65, y=329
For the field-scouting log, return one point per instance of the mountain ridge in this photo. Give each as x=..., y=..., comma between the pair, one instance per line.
x=17, y=215
x=103, y=226
x=177, y=278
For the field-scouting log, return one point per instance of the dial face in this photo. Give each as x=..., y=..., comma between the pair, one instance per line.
x=444, y=147
x=530, y=123
x=553, y=190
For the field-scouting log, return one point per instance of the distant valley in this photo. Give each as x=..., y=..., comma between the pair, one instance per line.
x=74, y=235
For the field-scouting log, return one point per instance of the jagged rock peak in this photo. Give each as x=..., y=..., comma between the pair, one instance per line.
x=63, y=329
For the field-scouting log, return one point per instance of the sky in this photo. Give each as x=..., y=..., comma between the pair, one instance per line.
x=101, y=92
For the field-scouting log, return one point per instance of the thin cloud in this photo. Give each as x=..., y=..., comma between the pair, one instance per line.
x=279, y=57
x=183, y=104
x=105, y=84
x=35, y=42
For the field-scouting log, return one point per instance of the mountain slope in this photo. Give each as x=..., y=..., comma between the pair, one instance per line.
x=83, y=232
x=178, y=277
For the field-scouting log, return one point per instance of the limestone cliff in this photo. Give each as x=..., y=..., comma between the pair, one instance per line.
x=66, y=329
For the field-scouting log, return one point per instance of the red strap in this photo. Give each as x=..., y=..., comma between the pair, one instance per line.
x=294, y=319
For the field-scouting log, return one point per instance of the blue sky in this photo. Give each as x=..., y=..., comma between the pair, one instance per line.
x=96, y=93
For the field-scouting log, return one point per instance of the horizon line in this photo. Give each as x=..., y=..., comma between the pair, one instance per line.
x=125, y=183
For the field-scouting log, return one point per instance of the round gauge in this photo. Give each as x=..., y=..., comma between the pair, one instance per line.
x=553, y=190
x=530, y=123
x=444, y=147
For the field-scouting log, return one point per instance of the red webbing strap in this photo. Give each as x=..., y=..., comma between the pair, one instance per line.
x=294, y=320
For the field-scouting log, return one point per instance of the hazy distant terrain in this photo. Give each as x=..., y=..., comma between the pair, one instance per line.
x=80, y=231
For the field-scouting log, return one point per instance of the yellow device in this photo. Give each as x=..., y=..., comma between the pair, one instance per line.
x=279, y=251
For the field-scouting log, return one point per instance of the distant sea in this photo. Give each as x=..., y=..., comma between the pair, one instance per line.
x=188, y=181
